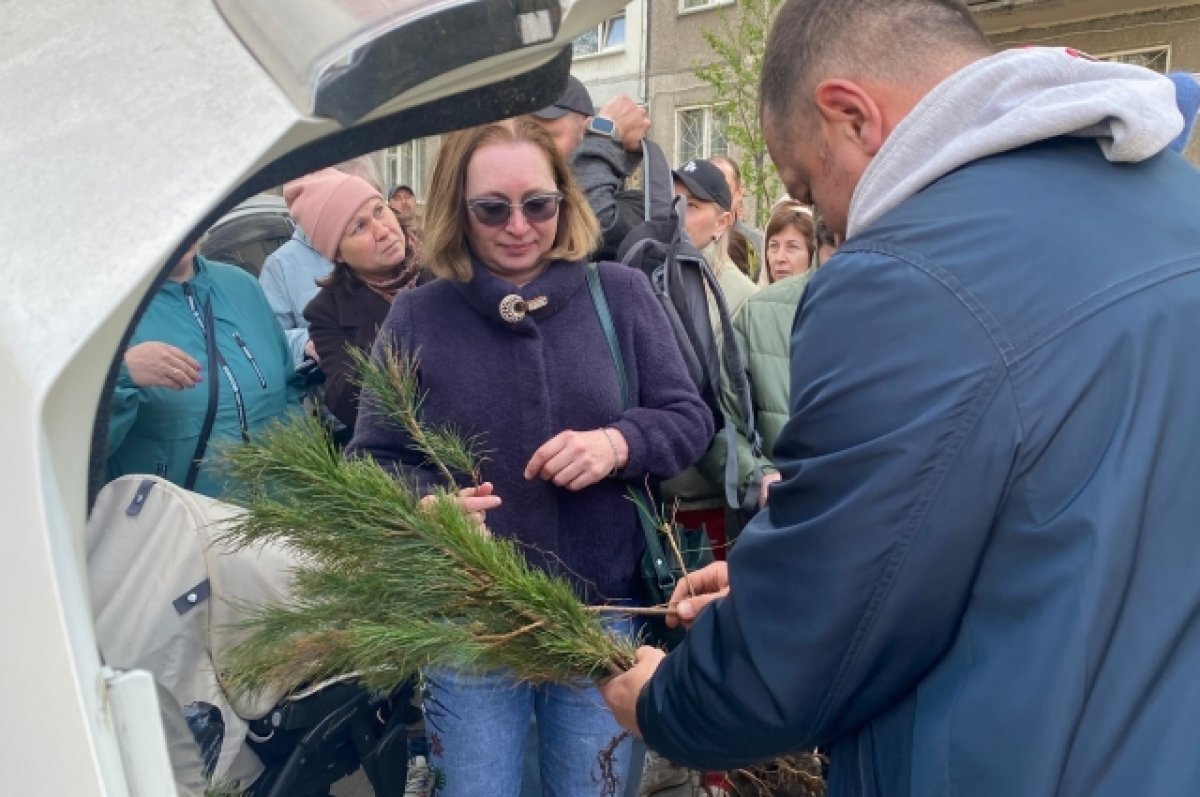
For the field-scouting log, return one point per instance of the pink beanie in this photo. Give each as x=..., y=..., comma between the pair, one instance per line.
x=323, y=203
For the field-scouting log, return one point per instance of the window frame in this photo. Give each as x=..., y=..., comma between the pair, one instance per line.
x=1165, y=49
x=710, y=112
x=418, y=164
x=603, y=31
x=709, y=5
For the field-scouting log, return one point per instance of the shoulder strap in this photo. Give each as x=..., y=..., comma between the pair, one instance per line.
x=210, y=413
x=654, y=548
x=658, y=184
x=610, y=331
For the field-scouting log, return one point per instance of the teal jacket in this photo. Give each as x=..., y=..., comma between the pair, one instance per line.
x=763, y=329
x=154, y=429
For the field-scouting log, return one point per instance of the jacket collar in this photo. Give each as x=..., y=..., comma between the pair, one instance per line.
x=200, y=283
x=355, y=301
x=522, y=309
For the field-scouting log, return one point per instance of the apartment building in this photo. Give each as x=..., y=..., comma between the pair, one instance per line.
x=650, y=51
x=1160, y=34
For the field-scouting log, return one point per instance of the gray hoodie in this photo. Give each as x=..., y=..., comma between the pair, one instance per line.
x=1012, y=99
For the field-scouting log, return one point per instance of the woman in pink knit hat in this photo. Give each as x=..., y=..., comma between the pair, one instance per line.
x=350, y=224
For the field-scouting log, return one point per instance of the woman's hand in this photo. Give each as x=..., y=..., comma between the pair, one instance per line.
x=699, y=589
x=576, y=460
x=158, y=364
x=475, y=501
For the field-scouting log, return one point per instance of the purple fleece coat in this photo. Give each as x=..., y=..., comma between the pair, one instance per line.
x=516, y=385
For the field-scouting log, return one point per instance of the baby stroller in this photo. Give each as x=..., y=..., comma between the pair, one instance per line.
x=164, y=598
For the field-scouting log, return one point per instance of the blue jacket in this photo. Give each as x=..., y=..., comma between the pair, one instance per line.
x=289, y=280
x=155, y=429
x=980, y=575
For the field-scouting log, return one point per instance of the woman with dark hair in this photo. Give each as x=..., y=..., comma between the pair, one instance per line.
x=791, y=242
x=349, y=223
x=512, y=352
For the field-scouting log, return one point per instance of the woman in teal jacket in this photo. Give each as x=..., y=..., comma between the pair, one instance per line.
x=158, y=409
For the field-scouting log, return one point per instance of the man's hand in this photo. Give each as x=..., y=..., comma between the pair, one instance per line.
x=699, y=589
x=310, y=351
x=767, y=480
x=576, y=460
x=631, y=120
x=158, y=364
x=621, y=693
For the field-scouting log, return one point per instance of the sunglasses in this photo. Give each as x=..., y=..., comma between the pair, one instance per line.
x=496, y=212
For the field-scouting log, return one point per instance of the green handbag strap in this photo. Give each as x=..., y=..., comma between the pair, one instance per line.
x=658, y=556
x=610, y=331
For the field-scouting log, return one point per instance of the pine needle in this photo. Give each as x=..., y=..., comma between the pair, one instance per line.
x=387, y=586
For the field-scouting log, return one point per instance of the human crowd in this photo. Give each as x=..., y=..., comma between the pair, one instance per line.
x=975, y=424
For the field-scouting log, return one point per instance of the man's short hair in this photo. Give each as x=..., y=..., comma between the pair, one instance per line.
x=401, y=188
x=896, y=40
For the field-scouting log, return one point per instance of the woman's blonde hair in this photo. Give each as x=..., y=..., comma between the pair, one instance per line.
x=445, y=239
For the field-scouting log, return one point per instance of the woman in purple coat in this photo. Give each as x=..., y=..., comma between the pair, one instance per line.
x=511, y=350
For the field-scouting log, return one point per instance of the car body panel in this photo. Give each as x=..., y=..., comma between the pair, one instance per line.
x=125, y=127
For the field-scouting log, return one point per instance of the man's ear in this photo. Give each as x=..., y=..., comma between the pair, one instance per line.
x=849, y=111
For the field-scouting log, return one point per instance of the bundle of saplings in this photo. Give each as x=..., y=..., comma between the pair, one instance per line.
x=392, y=582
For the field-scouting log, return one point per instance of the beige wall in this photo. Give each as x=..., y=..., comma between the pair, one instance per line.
x=676, y=47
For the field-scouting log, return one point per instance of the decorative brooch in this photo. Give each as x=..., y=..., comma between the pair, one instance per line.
x=513, y=307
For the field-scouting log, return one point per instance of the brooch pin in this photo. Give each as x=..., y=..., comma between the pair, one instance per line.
x=513, y=307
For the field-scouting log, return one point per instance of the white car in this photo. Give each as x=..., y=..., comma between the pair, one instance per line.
x=127, y=127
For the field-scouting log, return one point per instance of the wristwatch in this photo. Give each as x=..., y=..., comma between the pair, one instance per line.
x=600, y=126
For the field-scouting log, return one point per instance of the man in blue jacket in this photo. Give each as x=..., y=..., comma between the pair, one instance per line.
x=980, y=573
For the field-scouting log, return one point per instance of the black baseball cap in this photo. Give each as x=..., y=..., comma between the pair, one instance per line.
x=575, y=99
x=705, y=181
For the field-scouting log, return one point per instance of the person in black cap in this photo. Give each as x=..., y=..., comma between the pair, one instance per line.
x=603, y=147
x=710, y=205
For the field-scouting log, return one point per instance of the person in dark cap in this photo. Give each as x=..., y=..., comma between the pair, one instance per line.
x=603, y=147
x=403, y=202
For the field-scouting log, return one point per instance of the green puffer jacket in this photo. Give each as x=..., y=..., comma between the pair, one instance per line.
x=154, y=429
x=763, y=330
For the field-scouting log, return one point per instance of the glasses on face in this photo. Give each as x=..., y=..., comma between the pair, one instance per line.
x=496, y=212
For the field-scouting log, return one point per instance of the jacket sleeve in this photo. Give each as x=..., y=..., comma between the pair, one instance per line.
x=331, y=340
x=852, y=584
x=600, y=165
x=378, y=437
x=275, y=287
x=669, y=425
x=122, y=409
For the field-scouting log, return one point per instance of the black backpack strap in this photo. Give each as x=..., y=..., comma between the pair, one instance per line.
x=728, y=359
x=210, y=413
x=659, y=184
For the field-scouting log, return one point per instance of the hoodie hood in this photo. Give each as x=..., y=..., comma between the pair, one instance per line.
x=1010, y=100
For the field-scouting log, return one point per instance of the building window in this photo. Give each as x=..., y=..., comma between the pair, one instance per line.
x=700, y=5
x=1156, y=58
x=407, y=164
x=608, y=35
x=700, y=133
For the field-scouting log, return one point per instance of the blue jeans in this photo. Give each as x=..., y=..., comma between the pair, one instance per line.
x=477, y=727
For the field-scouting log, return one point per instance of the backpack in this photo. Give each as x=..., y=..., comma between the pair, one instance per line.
x=683, y=281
